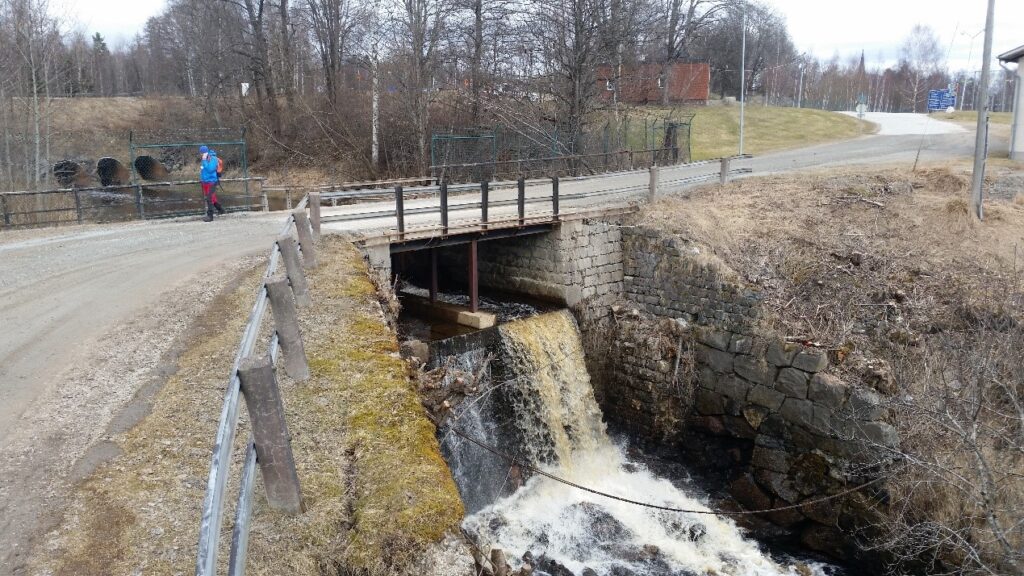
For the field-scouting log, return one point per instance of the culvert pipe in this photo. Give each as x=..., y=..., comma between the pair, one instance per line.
x=68, y=173
x=112, y=172
x=150, y=168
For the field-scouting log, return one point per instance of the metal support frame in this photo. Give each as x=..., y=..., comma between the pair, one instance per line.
x=474, y=278
x=554, y=195
x=400, y=210
x=521, y=199
x=433, y=275
x=444, y=207
x=484, y=192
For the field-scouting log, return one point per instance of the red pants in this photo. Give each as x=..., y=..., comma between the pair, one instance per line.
x=209, y=192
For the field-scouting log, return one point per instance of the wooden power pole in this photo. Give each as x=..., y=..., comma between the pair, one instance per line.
x=981, y=136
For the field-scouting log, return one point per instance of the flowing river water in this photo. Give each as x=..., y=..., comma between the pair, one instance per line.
x=535, y=401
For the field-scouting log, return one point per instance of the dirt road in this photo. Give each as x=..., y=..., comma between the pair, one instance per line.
x=88, y=316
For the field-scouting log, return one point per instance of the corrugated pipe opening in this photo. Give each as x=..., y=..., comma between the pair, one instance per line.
x=112, y=172
x=150, y=168
x=67, y=173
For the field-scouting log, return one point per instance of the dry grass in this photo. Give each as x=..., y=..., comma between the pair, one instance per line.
x=716, y=129
x=830, y=250
x=374, y=484
x=914, y=297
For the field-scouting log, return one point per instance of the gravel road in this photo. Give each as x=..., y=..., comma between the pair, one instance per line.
x=88, y=316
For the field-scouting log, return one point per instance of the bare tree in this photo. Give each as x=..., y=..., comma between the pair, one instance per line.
x=921, y=56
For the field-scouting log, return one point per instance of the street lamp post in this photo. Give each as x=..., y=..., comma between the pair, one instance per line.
x=743, y=79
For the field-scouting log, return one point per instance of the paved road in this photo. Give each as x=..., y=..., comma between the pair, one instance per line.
x=880, y=150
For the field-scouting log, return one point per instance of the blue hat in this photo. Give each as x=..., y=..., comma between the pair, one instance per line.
x=203, y=149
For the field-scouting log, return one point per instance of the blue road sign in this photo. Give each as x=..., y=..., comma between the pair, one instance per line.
x=941, y=99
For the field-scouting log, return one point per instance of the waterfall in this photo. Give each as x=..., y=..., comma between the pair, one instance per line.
x=536, y=402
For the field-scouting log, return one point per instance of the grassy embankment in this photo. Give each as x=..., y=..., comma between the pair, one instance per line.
x=716, y=129
x=375, y=487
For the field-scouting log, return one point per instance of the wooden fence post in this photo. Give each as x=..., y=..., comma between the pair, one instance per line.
x=266, y=201
x=305, y=238
x=293, y=267
x=3, y=205
x=724, y=176
x=78, y=206
x=270, y=433
x=314, y=212
x=138, y=202
x=286, y=322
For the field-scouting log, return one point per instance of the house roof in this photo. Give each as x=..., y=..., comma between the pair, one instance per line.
x=1013, y=55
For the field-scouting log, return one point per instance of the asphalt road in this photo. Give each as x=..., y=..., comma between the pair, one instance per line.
x=899, y=148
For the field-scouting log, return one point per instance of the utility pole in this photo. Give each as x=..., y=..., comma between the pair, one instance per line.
x=981, y=137
x=743, y=79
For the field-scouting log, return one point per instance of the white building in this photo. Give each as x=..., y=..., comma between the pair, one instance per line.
x=1016, y=56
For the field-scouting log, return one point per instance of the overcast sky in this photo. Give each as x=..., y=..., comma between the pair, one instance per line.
x=821, y=27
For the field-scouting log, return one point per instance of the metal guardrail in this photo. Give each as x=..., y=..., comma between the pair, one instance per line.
x=117, y=202
x=213, y=503
x=399, y=212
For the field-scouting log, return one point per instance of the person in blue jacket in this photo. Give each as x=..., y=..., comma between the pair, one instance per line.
x=208, y=180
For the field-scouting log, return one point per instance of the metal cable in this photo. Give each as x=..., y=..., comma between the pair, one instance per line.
x=528, y=466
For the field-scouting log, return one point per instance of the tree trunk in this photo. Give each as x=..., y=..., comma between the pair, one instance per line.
x=477, y=58
x=286, y=54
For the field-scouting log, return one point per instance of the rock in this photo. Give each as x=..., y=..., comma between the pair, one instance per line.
x=769, y=459
x=809, y=472
x=738, y=427
x=879, y=433
x=498, y=563
x=865, y=404
x=715, y=359
x=811, y=360
x=780, y=353
x=709, y=403
x=749, y=494
x=824, y=539
x=787, y=517
x=619, y=570
x=822, y=511
x=764, y=396
x=778, y=484
x=821, y=421
x=755, y=415
x=733, y=387
x=827, y=390
x=741, y=344
x=415, y=348
x=792, y=382
x=552, y=567
x=588, y=572
x=696, y=531
x=797, y=411
x=714, y=338
x=751, y=368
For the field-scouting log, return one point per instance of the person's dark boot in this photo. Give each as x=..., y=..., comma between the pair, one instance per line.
x=220, y=209
x=208, y=218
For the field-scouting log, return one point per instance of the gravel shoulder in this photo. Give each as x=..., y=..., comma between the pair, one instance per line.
x=93, y=318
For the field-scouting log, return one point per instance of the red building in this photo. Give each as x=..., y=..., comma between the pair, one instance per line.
x=646, y=83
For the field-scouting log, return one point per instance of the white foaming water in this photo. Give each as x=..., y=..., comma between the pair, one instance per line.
x=564, y=435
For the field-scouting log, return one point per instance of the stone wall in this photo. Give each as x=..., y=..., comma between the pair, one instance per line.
x=576, y=261
x=689, y=362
